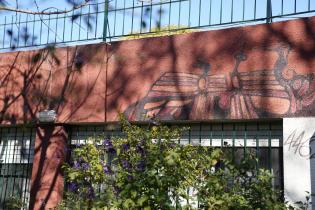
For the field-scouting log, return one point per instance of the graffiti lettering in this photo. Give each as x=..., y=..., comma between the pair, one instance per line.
x=300, y=145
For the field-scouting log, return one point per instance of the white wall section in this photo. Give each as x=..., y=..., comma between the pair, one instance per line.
x=298, y=158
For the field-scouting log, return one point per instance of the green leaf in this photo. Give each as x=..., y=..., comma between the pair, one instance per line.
x=128, y=204
x=142, y=200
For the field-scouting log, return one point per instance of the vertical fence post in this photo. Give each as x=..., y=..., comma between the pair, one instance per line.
x=269, y=12
x=106, y=6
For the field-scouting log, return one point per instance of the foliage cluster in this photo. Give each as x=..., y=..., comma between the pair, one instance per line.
x=148, y=169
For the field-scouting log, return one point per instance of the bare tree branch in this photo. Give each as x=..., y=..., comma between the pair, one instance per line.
x=44, y=12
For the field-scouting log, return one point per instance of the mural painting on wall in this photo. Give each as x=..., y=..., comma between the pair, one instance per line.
x=275, y=92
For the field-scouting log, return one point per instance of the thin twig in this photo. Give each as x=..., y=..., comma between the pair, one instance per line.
x=44, y=12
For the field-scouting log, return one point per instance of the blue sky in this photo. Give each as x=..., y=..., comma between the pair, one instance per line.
x=184, y=13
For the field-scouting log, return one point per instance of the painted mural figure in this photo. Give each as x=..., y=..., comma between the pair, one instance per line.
x=239, y=95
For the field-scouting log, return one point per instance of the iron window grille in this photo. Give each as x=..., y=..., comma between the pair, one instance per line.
x=263, y=139
x=16, y=158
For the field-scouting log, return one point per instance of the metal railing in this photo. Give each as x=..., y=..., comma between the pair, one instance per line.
x=113, y=20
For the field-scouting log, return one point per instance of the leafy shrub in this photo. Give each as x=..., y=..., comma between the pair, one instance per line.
x=148, y=169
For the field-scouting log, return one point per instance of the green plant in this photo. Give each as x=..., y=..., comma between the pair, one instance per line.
x=14, y=202
x=148, y=169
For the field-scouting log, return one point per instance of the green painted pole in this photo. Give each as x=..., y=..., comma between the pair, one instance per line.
x=269, y=12
x=106, y=5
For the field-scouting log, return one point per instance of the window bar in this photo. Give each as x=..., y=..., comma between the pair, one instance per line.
x=1, y=165
x=88, y=23
x=179, y=13
x=33, y=33
x=222, y=129
x=80, y=24
x=245, y=140
x=221, y=10
x=160, y=18
x=233, y=143
x=189, y=11
x=257, y=146
x=26, y=31
x=169, y=16
x=255, y=9
x=269, y=12
x=64, y=27
x=189, y=135
x=96, y=21
x=85, y=135
x=281, y=164
x=211, y=134
x=48, y=28
x=22, y=175
x=151, y=17
x=4, y=169
x=281, y=7
x=11, y=31
x=77, y=134
x=56, y=27
x=269, y=148
x=94, y=133
x=199, y=13
x=124, y=14
x=4, y=30
x=132, y=16
x=72, y=25
x=14, y=162
x=232, y=4
x=210, y=8
x=244, y=6
x=141, y=18
x=200, y=133
x=5, y=177
x=115, y=17
x=19, y=28
x=28, y=164
x=40, y=30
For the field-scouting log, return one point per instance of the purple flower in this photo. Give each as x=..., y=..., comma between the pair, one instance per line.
x=125, y=164
x=130, y=178
x=73, y=187
x=107, y=143
x=80, y=160
x=126, y=147
x=140, y=150
x=112, y=150
x=107, y=169
x=142, y=142
x=109, y=146
x=141, y=165
x=76, y=165
x=85, y=166
x=91, y=193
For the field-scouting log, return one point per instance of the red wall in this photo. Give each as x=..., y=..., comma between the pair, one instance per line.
x=47, y=182
x=263, y=71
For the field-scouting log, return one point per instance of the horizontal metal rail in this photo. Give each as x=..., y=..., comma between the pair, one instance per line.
x=96, y=22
